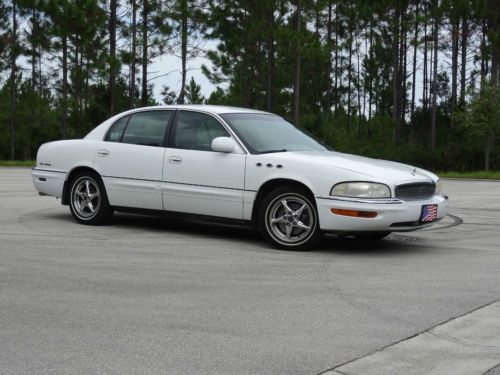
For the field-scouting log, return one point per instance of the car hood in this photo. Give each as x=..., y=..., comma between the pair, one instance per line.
x=367, y=169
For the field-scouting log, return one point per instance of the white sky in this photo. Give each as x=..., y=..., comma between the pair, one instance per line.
x=172, y=65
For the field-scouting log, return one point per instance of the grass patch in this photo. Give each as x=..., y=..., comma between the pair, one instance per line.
x=17, y=163
x=474, y=175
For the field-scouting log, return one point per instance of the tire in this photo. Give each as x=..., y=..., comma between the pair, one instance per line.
x=371, y=236
x=88, y=201
x=288, y=219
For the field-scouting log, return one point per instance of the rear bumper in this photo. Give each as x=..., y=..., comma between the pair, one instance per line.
x=393, y=215
x=48, y=182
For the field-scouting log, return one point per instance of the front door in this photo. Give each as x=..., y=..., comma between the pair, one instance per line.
x=196, y=179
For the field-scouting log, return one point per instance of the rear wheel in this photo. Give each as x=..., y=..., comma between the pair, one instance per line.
x=289, y=219
x=88, y=200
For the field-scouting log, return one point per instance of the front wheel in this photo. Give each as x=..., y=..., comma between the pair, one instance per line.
x=289, y=219
x=88, y=200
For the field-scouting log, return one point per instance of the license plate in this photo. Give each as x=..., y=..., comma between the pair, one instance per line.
x=429, y=213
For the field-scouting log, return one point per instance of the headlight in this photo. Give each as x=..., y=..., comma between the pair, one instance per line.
x=439, y=187
x=361, y=190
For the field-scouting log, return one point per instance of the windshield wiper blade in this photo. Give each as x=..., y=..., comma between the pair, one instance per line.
x=273, y=151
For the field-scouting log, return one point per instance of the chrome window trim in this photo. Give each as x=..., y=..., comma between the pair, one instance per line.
x=224, y=124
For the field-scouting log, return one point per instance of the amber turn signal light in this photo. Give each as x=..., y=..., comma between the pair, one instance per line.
x=353, y=213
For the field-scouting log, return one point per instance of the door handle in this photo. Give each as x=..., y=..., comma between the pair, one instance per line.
x=175, y=160
x=102, y=152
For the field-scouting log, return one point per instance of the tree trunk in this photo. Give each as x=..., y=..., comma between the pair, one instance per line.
x=429, y=69
x=296, y=89
x=425, y=73
x=40, y=88
x=133, y=55
x=463, y=68
x=403, y=61
x=330, y=63
x=349, y=80
x=358, y=79
x=35, y=102
x=184, y=41
x=270, y=62
x=34, y=31
x=65, y=84
x=370, y=74
x=144, y=93
x=454, y=69
x=13, y=91
x=434, y=82
x=112, y=55
x=490, y=143
x=414, y=68
x=484, y=61
x=396, y=75
x=494, y=30
x=336, y=70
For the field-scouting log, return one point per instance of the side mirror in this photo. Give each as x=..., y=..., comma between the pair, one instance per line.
x=223, y=144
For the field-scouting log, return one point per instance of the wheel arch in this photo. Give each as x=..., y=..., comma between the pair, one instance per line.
x=69, y=177
x=269, y=186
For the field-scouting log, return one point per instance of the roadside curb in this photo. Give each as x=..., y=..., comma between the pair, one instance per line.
x=465, y=345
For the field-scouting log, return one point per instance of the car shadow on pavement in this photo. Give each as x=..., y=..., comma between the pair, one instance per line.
x=161, y=223
x=329, y=244
x=394, y=244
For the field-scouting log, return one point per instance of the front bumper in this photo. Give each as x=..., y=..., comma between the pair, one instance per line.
x=393, y=215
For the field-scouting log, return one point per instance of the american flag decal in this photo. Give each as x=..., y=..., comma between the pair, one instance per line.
x=429, y=213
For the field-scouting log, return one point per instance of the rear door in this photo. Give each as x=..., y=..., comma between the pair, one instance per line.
x=130, y=159
x=196, y=179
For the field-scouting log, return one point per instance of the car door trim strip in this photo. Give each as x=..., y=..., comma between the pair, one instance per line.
x=180, y=183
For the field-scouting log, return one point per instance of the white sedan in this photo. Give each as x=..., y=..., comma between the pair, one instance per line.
x=252, y=167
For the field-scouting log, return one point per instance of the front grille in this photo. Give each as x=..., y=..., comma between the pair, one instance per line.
x=415, y=191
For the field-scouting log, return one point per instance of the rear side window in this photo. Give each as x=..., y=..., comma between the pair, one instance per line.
x=196, y=131
x=116, y=130
x=147, y=128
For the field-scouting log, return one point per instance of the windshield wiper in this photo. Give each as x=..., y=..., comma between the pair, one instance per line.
x=272, y=151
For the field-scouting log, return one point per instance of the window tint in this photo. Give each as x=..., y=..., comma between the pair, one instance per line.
x=196, y=131
x=116, y=130
x=147, y=128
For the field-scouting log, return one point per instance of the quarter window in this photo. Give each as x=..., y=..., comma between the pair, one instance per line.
x=147, y=128
x=116, y=130
x=196, y=131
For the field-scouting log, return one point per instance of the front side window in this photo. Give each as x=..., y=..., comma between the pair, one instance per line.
x=196, y=131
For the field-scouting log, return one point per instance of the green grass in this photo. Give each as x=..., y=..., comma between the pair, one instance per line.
x=17, y=163
x=493, y=175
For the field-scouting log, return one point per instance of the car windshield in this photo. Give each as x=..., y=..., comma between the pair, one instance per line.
x=266, y=133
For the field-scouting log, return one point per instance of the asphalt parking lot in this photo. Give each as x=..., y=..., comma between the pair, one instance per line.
x=158, y=296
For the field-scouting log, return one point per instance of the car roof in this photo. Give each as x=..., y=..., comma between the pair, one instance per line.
x=99, y=132
x=218, y=109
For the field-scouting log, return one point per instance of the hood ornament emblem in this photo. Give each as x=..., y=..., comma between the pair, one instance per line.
x=414, y=172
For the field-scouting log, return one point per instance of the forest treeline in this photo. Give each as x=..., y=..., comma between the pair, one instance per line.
x=414, y=81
